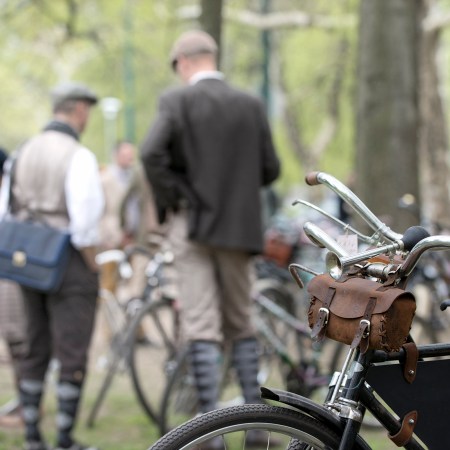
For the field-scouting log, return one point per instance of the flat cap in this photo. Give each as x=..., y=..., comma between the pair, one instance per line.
x=190, y=43
x=72, y=91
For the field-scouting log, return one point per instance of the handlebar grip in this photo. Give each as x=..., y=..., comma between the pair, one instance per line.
x=414, y=235
x=311, y=179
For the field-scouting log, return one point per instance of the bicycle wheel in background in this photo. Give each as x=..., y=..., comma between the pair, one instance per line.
x=426, y=326
x=251, y=426
x=285, y=335
x=277, y=293
x=179, y=401
x=152, y=349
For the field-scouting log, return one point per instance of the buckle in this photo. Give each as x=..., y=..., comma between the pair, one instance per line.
x=327, y=315
x=365, y=322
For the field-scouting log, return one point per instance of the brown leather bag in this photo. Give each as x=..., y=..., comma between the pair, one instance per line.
x=360, y=312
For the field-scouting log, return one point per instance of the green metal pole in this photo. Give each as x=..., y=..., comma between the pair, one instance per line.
x=265, y=67
x=129, y=77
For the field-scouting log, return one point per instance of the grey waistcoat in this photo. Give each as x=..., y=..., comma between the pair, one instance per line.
x=39, y=178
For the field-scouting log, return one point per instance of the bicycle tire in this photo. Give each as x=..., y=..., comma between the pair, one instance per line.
x=153, y=346
x=278, y=428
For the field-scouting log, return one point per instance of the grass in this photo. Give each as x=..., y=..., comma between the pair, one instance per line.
x=120, y=423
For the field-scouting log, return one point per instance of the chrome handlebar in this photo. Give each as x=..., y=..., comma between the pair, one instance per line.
x=429, y=243
x=337, y=260
x=354, y=201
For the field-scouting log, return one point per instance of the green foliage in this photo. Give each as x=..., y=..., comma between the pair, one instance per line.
x=121, y=50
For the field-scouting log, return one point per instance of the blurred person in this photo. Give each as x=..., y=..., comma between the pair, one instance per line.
x=207, y=155
x=140, y=225
x=57, y=179
x=116, y=178
x=12, y=329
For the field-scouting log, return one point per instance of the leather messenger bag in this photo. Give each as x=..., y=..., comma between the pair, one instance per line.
x=360, y=312
x=33, y=254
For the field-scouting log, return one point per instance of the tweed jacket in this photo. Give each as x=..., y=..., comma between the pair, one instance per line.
x=211, y=148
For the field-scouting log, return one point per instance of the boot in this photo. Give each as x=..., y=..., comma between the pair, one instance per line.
x=204, y=359
x=245, y=361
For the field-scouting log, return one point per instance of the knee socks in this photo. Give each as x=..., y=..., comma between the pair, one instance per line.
x=68, y=394
x=204, y=359
x=245, y=362
x=30, y=392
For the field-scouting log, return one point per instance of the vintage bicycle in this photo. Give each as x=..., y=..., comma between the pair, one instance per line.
x=405, y=390
x=144, y=329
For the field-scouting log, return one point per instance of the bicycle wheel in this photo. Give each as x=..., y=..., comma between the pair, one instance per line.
x=280, y=297
x=152, y=349
x=179, y=401
x=286, y=345
x=251, y=426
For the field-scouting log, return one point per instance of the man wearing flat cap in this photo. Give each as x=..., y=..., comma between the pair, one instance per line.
x=207, y=155
x=55, y=180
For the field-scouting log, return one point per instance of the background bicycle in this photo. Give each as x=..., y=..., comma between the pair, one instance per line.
x=144, y=331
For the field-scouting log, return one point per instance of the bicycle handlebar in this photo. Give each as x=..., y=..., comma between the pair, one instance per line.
x=316, y=178
x=416, y=240
x=429, y=243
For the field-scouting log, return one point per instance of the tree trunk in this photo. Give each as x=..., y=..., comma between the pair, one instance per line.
x=211, y=20
x=434, y=143
x=387, y=107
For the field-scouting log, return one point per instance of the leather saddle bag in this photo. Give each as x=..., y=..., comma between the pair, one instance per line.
x=360, y=312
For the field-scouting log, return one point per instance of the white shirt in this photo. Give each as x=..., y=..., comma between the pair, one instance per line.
x=205, y=75
x=84, y=198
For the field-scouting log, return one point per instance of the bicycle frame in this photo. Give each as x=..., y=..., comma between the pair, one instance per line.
x=369, y=386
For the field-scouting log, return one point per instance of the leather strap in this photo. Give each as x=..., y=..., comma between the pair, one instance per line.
x=410, y=365
x=362, y=335
x=318, y=331
x=403, y=436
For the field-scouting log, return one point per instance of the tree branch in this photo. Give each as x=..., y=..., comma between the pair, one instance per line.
x=275, y=20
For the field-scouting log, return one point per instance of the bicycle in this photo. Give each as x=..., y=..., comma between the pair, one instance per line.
x=373, y=381
x=144, y=332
